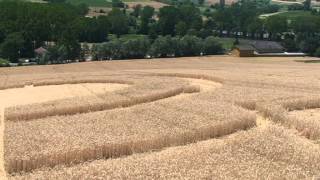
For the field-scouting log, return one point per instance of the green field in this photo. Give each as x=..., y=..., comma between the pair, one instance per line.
x=96, y=3
x=100, y=3
x=293, y=15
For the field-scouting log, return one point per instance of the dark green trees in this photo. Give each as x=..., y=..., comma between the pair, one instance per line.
x=12, y=46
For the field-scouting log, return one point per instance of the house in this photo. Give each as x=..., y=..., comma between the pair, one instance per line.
x=244, y=51
x=40, y=52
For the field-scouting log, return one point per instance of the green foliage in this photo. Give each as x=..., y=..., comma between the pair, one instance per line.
x=145, y=18
x=181, y=28
x=11, y=47
x=307, y=5
x=190, y=46
x=309, y=45
x=276, y=25
x=117, y=4
x=94, y=3
x=290, y=44
x=163, y=46
x=4, y=63
x=136, y=10
x=317, y=53
x=119, y=22
x=211, y=46
x=306, y=25
x=55, y=1
x=295, y=7
x=168, y=18
x=92, y=29
x=135, y=48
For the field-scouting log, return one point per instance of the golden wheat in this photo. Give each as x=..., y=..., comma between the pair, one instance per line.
x=270, y=153
x=163, y=115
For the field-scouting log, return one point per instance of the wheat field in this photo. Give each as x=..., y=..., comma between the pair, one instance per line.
x=216, y=117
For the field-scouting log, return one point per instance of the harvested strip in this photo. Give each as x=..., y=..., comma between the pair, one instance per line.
x=31, y=94
x=123, y=131
x=244, y=155
x=102, y=103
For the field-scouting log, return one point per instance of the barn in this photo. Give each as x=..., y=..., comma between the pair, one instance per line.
x=249, y=48
x=244, y=51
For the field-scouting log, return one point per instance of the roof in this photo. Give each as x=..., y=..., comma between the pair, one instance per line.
x=245, y=47
x=267, y=47
x=40, y=50
x=264, y=46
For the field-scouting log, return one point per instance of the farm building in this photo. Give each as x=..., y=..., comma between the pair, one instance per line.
x=249, y=48
x=262, y=47
x=40, y=52
x=244, y=51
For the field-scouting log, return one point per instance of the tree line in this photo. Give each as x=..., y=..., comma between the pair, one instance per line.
x=26, y=26
x=163, y=46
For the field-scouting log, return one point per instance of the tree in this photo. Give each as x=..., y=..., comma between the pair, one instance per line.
x=190, y=15
x=168, y=18
x=276, y=25
x=255, y=27
x=83, y=9
x=118, y=22
x=307, y=5
x=71, y=44
x=135, y=48
x=117, y=4
x=146, y=15
x=317, y=53
x=224, y=20
x=12, y=46
x=201, y=2
x=112, y=49
x=190, y=46
x=222, y=3
x=290, y=44
x=181, y=28
x=4, y=63
x=306, y=26
x=211, y=46
x=56, y=1
x=153, y=31
x=310, y=45
x=161, y=47
x=136, y=10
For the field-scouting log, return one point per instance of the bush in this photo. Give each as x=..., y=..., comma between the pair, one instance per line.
x=108, y=50
x=317, y=53
x=190, y=46
x=290, y=44
x=135, y=48
x=211, y=46
x=4, y=63
x=164, y=46
x=309, y=45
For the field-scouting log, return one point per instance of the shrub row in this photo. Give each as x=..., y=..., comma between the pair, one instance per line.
x=163, y=46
